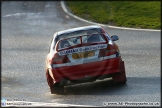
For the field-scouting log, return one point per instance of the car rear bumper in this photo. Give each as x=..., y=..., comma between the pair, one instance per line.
x=93, y=69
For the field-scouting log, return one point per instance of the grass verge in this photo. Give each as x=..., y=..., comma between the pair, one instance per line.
x=134, y=14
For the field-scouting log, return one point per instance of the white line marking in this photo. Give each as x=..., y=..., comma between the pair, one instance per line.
x=69, y=13
x=17, y=14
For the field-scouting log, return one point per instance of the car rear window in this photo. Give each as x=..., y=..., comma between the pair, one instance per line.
x=93, y=38
x=78, y=33
x=65, y=43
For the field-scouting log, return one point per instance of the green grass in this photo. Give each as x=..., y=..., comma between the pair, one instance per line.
x=135, y=14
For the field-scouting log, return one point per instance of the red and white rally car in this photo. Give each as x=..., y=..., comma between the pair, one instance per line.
x=83, y=54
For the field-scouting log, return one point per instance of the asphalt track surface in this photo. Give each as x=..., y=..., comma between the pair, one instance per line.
x=26, y=32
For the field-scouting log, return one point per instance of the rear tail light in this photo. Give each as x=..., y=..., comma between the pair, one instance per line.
x=110, y=50
x=57, y=59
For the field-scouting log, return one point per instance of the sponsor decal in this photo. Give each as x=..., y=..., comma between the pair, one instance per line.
x=82, y=49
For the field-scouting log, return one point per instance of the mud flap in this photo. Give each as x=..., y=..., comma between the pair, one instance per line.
x=49, y=79
x=121, y=78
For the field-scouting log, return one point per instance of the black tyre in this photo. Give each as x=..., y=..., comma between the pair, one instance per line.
x=57, y=89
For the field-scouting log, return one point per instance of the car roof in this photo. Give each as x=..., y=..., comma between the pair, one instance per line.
x=77, y=28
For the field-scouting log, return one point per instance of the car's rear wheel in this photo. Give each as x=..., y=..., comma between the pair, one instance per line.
x=54, y=88
x=57, y=89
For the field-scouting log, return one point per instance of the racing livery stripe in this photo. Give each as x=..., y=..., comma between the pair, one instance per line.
x=109, y=57
x=84, y=61
x=59, y=65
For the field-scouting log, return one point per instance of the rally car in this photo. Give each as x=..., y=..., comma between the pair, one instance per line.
x=83, y=54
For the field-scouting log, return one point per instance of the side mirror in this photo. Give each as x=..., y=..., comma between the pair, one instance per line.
x=114, y=37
